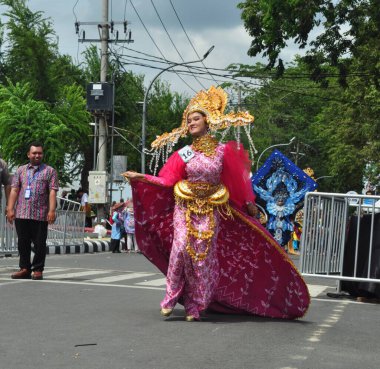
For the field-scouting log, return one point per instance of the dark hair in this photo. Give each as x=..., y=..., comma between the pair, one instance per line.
x=35, y=144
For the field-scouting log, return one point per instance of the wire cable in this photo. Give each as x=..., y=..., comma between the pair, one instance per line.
x=155, y=44
x=172, y=42
x=73, y=10
x=183, y=28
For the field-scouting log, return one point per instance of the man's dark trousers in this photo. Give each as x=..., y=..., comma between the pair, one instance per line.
x=28, y=231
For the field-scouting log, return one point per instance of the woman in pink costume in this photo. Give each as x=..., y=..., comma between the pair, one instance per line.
x=204, y=236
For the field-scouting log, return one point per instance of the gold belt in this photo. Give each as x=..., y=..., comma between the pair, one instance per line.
x=201, y=192
x=201, y=198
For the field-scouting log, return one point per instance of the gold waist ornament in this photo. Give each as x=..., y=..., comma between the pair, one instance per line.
x=201, y=198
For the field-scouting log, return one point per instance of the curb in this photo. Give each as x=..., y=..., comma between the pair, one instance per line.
x=88, y=247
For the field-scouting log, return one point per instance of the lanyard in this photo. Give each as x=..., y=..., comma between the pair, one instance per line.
x=32, y=179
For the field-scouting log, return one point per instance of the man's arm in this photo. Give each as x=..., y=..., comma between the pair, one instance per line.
x=52, y=206
x=7, y=190
x=12, y=198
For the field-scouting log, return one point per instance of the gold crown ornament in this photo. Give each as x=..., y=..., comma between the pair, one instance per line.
x=212, y=104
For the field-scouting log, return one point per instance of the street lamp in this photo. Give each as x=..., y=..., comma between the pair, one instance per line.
x=143, y=127
x=121, y=188
x=270, y=147
x=323, y=177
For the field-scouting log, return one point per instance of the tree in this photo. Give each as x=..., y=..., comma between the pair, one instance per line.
x=295, y=106
x=50, y=88
x=30, y=50
x=345, y=29
x=346, y=51
x=24, y=119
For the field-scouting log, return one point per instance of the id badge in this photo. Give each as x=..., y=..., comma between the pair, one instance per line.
x=186, y=153
x=27, y=193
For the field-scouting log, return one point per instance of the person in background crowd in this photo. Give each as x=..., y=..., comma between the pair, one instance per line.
x=63, y=205
x=100, y=228
x=5, y=180
x=296, y=236
x=73, y=195
x=34, y=188
x=129, y=226
x=85, y=206
x=116, y=232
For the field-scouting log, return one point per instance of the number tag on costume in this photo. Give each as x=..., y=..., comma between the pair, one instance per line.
x=27, y=193
x=186, y=153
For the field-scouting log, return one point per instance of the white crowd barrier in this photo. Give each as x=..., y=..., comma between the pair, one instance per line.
x=341, y=237
x=67, y=230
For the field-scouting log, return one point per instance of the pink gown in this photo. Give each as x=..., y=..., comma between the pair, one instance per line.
x=245, y=270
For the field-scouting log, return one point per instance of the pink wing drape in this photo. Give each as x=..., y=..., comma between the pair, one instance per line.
x=256, y=276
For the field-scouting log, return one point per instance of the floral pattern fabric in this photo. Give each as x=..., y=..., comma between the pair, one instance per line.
x=245, y=270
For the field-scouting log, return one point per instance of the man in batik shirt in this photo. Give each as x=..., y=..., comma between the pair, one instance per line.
x=34, y=188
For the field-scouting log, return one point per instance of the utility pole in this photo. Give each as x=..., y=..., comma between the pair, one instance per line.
x=297, y=153
x=105, y=27
x=102, y=142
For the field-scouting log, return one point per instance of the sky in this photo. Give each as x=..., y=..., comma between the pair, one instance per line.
x=206, y=22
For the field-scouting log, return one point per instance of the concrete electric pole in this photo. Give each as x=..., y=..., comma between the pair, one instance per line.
x=102, y=142
x=105, y=27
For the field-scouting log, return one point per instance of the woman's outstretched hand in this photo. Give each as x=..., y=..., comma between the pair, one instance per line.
x=132, y=175
x=252, y=209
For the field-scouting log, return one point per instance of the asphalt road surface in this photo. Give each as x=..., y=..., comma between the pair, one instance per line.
x=101, y=311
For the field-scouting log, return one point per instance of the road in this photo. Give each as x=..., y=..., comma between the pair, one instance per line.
x=101, y=311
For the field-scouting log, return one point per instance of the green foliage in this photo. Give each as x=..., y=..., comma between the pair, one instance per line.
x=31, y=49
x=42, y=96
x=345, y=30
x=341, y=124
x=336, y=129
x=24, y=119
x=164, y=112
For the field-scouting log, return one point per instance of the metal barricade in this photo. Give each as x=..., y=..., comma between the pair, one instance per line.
x=332, y=232
x=67, y=230
x=8, y=243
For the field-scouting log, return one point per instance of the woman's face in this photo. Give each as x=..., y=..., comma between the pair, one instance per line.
x=196, y=124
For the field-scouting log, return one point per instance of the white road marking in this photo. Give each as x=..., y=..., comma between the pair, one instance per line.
x=79, y=274
x=121, y=277
x=54, y=270
x=154, y=282
x=316, y=289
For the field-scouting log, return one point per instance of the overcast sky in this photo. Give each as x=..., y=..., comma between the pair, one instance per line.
x=207, y=23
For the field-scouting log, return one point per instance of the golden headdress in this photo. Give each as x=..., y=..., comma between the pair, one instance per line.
x=212, y=103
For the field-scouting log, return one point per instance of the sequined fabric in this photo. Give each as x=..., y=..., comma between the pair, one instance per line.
x=245, y=270
x=195, y=281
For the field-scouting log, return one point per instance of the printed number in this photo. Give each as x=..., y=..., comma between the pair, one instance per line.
x=186, y=154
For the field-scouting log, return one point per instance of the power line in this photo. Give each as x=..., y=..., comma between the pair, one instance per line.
x=75, y=16
x=188, y=38
x=155, y=44
x=228, y=77
x=125, y=8
x=267, y=75
x=171, y=40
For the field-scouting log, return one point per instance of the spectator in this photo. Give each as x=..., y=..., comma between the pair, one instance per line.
x=85, y=206
x=116, y=232
x=129, y=226
x=62, y=203
x=34, y=187
x=5, y=180
x=100, y=229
